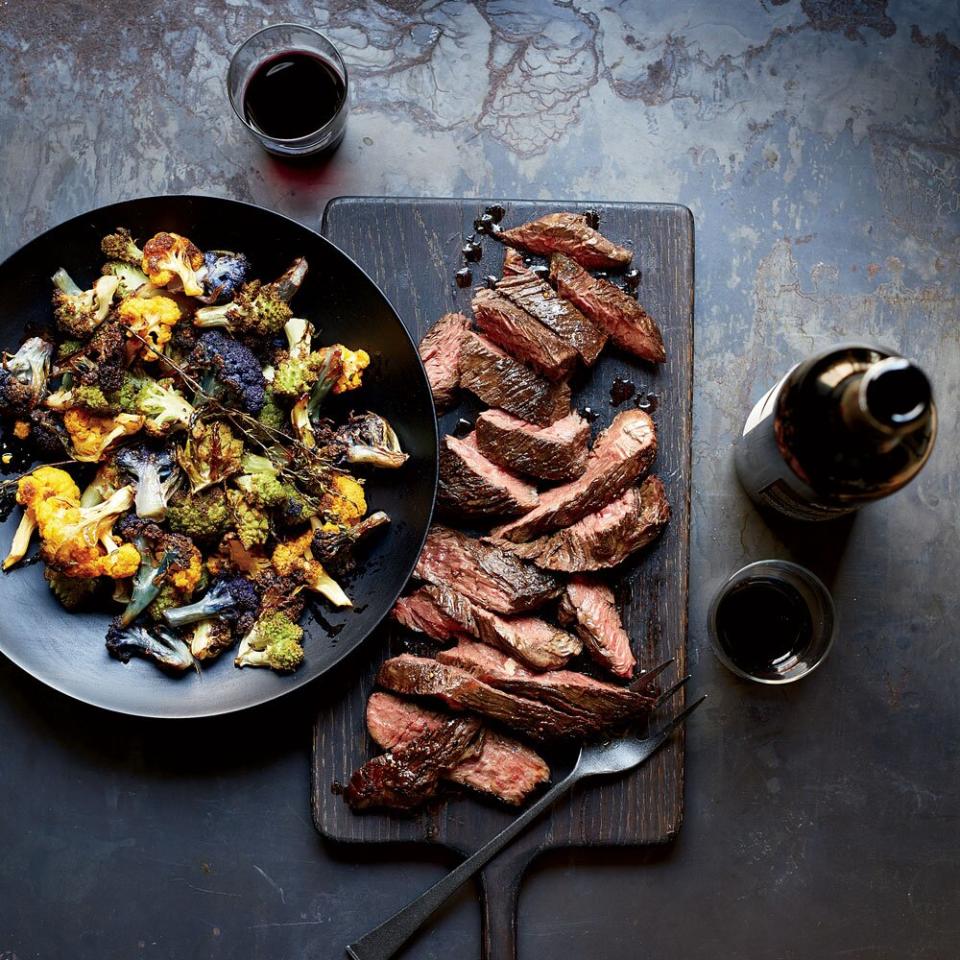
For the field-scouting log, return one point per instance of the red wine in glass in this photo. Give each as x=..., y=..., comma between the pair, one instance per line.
x=293, y=94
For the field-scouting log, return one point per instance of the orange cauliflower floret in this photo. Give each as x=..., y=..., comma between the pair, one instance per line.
x=168, y=255
x=152, y=318
x=92, y=435
x=78, y=541
x=294, y=558
x=344, y=502
x=33, y=489
x=354, y=363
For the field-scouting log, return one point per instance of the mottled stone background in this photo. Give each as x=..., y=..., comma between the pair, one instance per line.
x=816, y=142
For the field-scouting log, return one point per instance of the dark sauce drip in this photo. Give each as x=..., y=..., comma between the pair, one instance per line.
x=764, y=625
x=633, y=277
x=621, y=390
x=648, y=403
x=462, y=427
x=292, y=94
x=491, y=281
x=589, y=414
x=486, y=225
x=496, y=212
x=472, y=251
x=593, y=219
x=464, y=277
x=337, y=788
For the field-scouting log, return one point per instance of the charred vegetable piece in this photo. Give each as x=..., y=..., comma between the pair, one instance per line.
x=209, y=638
x=231, y=599
x=120, y=246
x=274, y=642
x=130, y=278
x=368, y=438
x=163, y=406
x=333, y=544
x=156, y=475
x=23, y=377
x=225, y=274
x=211, y=454
x=80, y=312
x=161, y=646
x=72, y=592
x=167, y=256
x=225, y=363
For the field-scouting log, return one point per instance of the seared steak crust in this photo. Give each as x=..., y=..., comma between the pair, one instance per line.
x=555, y=453
x=473, y=486
x=407, y=776
x=439, y=612
x=523, y=336
x=440, y=353
x=500, y=381
x=538, y=644
x=504, y=768
x=629, y=325
x=622, y=453
x=483, y=572
x=589, y=606
x=568, y=233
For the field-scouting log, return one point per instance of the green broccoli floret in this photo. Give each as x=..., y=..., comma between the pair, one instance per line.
x=68, y=347
x=250, y=522
x=129, y=390
x=164, y=407
x=80, y=312
x=95, y=400
x=200, y=515
x=70, y=591
x=271, y=413
x=130, y=277
x=120, y=246
x=274, y=642
x=211, y=454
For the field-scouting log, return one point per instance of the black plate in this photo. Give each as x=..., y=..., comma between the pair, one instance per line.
x=66, y=650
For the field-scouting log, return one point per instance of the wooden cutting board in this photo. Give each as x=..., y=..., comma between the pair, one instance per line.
x=412, y=249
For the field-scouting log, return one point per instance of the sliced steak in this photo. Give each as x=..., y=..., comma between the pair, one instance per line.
x=604, y=703
x=513, y=262
x=472, y=486
x=440, y=353
x=589, y=606
x=622, y=454
x=504, y=768
x=420, y=676
x=606, y=538
x=409, y=774
x=500, y=381
x=629, y=325
x=567, y=233
x=522, y=336
x=555, y=453
x=538, y=644
x=534, y=295
x=485, y=573
x=439, y=612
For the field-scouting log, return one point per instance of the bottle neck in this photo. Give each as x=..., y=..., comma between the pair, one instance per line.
x=889, y=399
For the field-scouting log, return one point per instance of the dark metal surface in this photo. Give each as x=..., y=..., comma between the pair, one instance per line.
x=816, y=143
x=66, y=650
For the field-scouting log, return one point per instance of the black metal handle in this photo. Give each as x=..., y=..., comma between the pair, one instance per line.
x=384, y=941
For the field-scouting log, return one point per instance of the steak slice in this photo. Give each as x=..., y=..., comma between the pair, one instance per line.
x=589, y=606
x=605, y=703
x=440, y=353
x=420, y=676
x=483, y=572
x=408, y=775
x=500, y=381
x=629, y=325
x=522, y=336
x=439, y=612
x=472, y=486
x=605, y=538
x=538, y=644
x=622, y=453
x=513, y=262
x=555, y=453
x=567, y=233
x=534, y=295
x=504, y=768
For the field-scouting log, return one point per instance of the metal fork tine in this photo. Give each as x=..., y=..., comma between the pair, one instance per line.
x=640, y=682
x=672, y=725
x=667, y=694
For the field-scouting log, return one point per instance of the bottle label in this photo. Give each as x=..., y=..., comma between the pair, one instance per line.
x=780, y=497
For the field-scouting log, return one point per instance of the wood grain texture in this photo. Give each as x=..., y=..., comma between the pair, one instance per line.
x=411, y=248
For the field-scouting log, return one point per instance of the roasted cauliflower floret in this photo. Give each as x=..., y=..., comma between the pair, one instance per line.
x=152, y=318
x=91, y=435
x=168, y=255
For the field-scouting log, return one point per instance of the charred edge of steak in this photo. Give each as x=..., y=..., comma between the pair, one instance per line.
x=439, y=612
x=500, y=381
x=622, y=453
x=504, y=768
x=408, y=775
x=523, y=336
x=556, y=453
x=629, y=325
x=440, y=353
x=483, y=572
x=568, y=233
x=590, y=607
x=473, y=486
x=536, y=643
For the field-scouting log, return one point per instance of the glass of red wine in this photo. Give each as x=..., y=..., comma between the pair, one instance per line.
x=773, y=622
x=288, y=84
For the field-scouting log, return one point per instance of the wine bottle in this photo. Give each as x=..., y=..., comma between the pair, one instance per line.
x=844, y=427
